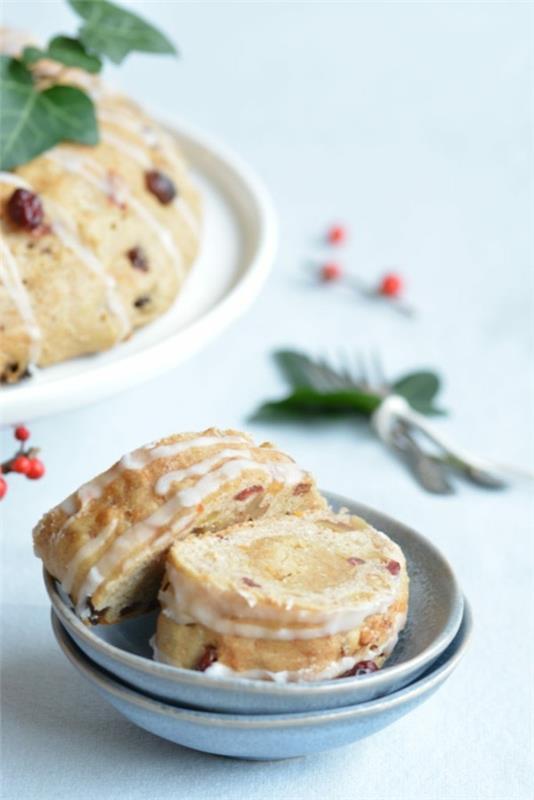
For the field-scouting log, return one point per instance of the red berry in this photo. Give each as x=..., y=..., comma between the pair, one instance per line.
x=21, y=464
x=360, y=668
x=22, y=433
x=393, y=567
x=25, y=209
x=36, y=469
x=337, y=234
x=331, y=272
x=391, y=285
x=3, y=487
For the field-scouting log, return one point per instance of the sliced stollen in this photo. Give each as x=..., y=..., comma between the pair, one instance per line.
x=106, y=543
x=298, y=597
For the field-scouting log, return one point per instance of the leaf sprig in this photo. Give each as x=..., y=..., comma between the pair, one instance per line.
x=321, y=390
x=33, y=120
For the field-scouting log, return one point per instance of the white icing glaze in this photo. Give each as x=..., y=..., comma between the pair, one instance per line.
x=185, y=607
x=201, y=468
x=135, y=460
x=71, y=241
x=87, y=257
x=138, y=459
x=333, y=670
x=168, y=521
x=10, y=276
x=151, y=138
x=93, y=172
x=236, y=610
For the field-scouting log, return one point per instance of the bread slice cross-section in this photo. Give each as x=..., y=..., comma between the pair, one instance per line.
x=107, y=542
x=295, y=597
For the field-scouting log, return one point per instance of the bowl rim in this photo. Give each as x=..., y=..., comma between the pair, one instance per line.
x=179, y=675
x=109, y=684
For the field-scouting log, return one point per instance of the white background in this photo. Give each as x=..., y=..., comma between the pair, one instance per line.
x=409, y=122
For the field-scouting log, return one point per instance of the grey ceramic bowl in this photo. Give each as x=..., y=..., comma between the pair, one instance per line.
x=271, y=736
x=435, y=613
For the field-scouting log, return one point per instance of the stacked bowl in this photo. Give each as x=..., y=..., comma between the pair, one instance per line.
x=255, y=719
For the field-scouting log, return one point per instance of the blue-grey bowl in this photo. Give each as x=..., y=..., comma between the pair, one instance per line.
x=271, y=736
x=435, y=613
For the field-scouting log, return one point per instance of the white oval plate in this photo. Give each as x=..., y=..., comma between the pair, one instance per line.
x=238, y=247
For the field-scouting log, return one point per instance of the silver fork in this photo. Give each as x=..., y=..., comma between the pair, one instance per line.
x=410, y=434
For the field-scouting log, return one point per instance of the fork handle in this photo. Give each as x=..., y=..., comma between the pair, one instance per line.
x=394, y=409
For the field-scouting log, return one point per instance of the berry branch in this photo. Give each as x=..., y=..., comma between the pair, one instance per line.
x=24, y=460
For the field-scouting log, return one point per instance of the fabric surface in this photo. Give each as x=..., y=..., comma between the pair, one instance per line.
x=409, y=122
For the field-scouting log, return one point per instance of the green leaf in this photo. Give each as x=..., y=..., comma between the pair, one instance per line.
x=32, y=122
x=65, y=50
x=113, y=32
x=301, y=370
x=306, y=401
x=72, y=113
x=420, y=387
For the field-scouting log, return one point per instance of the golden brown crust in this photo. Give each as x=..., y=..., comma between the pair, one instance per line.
x=131, y=505
x=185, y=645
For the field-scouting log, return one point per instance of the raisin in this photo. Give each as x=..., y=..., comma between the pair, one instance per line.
x=25, y=209
x=244, y=494
x=142, y=301
x=161, y=186
x=138, y=258
x=208, y=657
x=250, y=582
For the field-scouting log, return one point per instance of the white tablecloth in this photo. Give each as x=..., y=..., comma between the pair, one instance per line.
x=409, y=122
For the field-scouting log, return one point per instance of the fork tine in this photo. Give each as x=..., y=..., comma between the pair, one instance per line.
x=362, y=370
x=378, y=369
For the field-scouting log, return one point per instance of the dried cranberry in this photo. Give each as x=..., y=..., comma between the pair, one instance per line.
x=393, y=567
x=161, y=186
x=138, y=258
x=360, y=668
x=250, y=582
x=354, y=561
x=25, y=209
x=302, y=488
x=245, y=493
x=208, y=657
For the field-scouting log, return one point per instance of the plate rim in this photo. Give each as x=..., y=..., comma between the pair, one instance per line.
x=110, y=684
x=29, y=402
x=182, y=676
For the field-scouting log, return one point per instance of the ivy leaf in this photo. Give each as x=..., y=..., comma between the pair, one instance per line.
x=306, y=401
x=72, y=113
x=113, y=32
x=65, y=50
x=32, y=122
x=301, y=370
x=419, y=389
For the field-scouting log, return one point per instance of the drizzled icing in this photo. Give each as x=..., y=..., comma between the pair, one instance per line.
x=138, y=459
x=154, y=140
x=93, y=172
x=87, y=257
x=10, y=275
x=185, y=602
x=177, y=514
x=333, y=670
x=73, y=243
